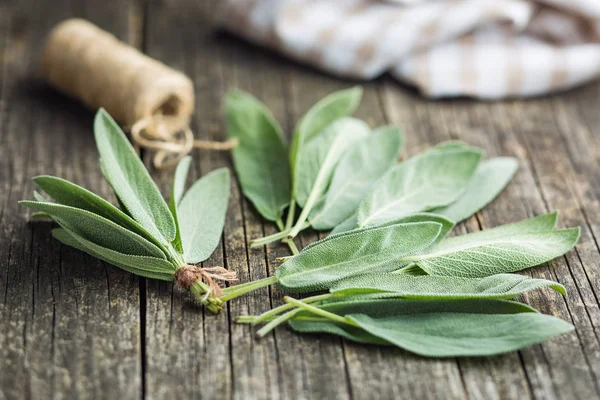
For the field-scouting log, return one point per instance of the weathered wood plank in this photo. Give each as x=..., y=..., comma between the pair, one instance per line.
x=70, y=324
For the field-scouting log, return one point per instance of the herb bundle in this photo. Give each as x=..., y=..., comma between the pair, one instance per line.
x=145, y=235
x=390, y=275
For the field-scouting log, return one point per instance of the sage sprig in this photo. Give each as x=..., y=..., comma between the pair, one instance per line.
x=391, y=275
x=145, y=236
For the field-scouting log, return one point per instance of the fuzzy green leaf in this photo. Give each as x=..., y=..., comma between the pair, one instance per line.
x=365, y=162
x=447, y=225
x=179, y=179
x=490, y=178
x=202, y=215
x=148, y=267
x=321, y=155
x=422, y=183
x=325, y=262
x=319, y=159
x=323, y=113
x=131, y=181
x=72, y=195
x=427, y=287
x=441, y=328
x=346, y=225
x=504, y=249
x=97, y=229
x=261, y=156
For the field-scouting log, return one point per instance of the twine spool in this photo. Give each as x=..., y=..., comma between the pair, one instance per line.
x=154, y=100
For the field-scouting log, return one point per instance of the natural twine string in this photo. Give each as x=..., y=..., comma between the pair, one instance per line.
x=155, y=100
x=169, y=142
x=187, y=275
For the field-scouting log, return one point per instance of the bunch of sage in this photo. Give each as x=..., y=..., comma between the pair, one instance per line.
x=144, y=235
x=390, y=275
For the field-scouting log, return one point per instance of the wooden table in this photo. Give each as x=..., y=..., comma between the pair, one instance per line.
x=74, y=327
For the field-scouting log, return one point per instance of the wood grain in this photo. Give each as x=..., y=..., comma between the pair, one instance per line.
x=74, y=327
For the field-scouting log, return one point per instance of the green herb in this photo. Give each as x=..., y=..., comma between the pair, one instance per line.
x=501, y=286
x=318, y=159
x=365, y=162
x=424, y=182
x=146, y=237
x=433, y=328
x=261, y=156
x=490, y=178
x=508, y=248
x=393, y=277
x=323, y=263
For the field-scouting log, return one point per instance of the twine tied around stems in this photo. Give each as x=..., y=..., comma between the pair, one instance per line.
x=187, y=275
x=156, y=101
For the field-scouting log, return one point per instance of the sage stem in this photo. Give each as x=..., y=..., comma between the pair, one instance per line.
x=276, y=322
x=315, y=310
x=278, y=310
x=236, y=291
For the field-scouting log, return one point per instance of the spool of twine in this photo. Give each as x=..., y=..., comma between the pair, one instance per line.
x=152, y=99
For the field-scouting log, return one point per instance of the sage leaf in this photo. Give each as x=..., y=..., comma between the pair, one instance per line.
x=130, y=180
x=440, y=328
x=181, y=173
x=70, y=194
x=422, y=183
x=346, y=225
x=504, y=249
x=179, y=179
x=428, y=287
x=490, y=178
x=261, y=156
x=202, y=215
x=321, y=264
x=447, y=225
x=97, y=229
x=365, y=162
x=319, y=158
x=332, y=107
x=148, y=267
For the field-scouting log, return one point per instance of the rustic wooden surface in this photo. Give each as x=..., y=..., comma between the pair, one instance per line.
x=74, y=327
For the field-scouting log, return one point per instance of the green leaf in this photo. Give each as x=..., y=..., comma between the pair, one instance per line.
x=261, y=156
x=507, y=248
x=148, y=267
x=441, y=328
x=72, y=195
x=447, y=225
x=427, y=287
x=365, y=162
x=38, y=196
x=97, y=229
x=319, y=159
x=179, y=179
x=181, y=173
x=131, y=181
x=346, y=225
x=321, y=264
x=422, y=183
x=490, y=178
x=202, y=215
x=323, y=113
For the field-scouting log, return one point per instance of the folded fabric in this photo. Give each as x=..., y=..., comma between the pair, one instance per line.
x=479, y=48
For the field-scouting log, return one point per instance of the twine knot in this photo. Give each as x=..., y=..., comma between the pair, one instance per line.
x=187, y=275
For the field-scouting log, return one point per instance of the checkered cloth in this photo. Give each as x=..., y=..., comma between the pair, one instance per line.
x=481, y=48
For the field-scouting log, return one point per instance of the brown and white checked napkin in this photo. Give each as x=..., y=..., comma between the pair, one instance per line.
x=480, y=48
